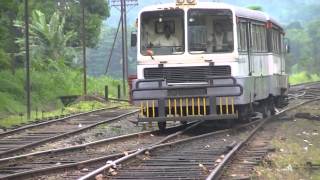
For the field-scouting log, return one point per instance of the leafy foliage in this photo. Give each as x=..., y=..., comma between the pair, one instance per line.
x=99, y=56
x=48, y=41
x=305, y=48
x=4, y=59
x=255, y=7
x=13, y=10
x=302, y=77
x=46, y=87
x=95, y=12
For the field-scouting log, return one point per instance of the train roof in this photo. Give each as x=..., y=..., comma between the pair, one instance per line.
x=239, y=11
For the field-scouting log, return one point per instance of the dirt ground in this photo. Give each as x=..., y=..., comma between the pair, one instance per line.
x=297, y=144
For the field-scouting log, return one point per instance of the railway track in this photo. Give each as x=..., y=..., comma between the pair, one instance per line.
x=83, y=158
x=240, y=161
x=25, y=138
x=190, y=157
x=200, y=157
x=76, y=157
x=308, y=90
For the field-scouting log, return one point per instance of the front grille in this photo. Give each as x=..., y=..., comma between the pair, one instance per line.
x=186, y=74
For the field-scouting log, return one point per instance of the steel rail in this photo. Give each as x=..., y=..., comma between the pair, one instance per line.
x=51, y=121
x=216, y=172
x=21, y=148
x=107, y=157
x=86, y=145
x=136, y=153
x=306, y=83
x=160, y=144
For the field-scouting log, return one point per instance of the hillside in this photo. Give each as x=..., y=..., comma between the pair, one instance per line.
x=294, y=12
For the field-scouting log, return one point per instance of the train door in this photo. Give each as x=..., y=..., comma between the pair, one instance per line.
x=244, y=39
x=249, y=47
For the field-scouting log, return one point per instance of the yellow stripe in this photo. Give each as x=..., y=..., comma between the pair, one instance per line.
x=147, y=106
x=141, y=108
x=187, y=107
x=232, y=103
x=204, y=106
x=192, y=106
x=220, y=105
x=181, y=112
x=227, y=105
x=175, y=107
x=169, y=106
x=198, y=106
x=153, y=110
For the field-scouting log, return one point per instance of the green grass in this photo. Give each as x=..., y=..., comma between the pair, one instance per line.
x=46, y=88
x=82, y=106
x=289, y=160
x=303, y=77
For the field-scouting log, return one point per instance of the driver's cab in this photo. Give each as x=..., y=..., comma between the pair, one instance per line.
x=163, y=32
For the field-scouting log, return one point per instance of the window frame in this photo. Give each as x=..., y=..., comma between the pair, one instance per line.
x=256, y=44
x=183, y=31
x=187, y=31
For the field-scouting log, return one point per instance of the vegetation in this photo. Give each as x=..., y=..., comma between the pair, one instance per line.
x=296, y=145
x=255, y=7
x=49, y=42
x=303, y=77
x=55, y=48
x=47, y=87
x=305, y=47
x=56, y=57
x=36, y=115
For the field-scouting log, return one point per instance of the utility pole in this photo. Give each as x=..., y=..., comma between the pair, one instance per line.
x=83, y=37
x=26, y=21
x=126, y=40
x=124, y=44
x=123, y=18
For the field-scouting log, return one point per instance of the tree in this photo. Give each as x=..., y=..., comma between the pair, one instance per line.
x=255, y=7
x=48, y=39
x=314, y=34
x=95, y=12
x=8, y=13
x=11, y=10
x=4, y=60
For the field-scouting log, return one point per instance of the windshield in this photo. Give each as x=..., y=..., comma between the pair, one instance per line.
x=210, y=31
x=162, y=32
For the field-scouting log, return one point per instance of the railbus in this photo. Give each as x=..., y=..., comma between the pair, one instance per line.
x=207, y=60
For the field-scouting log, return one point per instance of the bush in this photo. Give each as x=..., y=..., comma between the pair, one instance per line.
x=303, y=77
x=46, y=87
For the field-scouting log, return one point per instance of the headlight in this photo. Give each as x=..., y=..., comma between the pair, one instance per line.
x=179, y=2
x=186, y=2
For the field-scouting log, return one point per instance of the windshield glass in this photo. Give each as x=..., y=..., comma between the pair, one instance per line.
x=162, y=32
x=210, y=31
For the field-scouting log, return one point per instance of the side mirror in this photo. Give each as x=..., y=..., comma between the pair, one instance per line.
x=287, y=45
x=287, y=48
x=133, y=39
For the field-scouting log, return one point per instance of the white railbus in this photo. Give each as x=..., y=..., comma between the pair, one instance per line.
x=206, y=60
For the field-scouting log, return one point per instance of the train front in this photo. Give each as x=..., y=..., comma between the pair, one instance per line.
x=183, y=72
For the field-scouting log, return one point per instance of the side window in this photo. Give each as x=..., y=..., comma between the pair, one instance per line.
x=259, y=40
x=275, y=36
x=264, y=39
x=254, y=44
x=283, y=49
x=242, y=36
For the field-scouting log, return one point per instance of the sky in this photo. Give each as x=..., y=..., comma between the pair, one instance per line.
x=279, y=9
x=132, y=11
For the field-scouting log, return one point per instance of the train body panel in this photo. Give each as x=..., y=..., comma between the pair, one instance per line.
x=206, y=59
